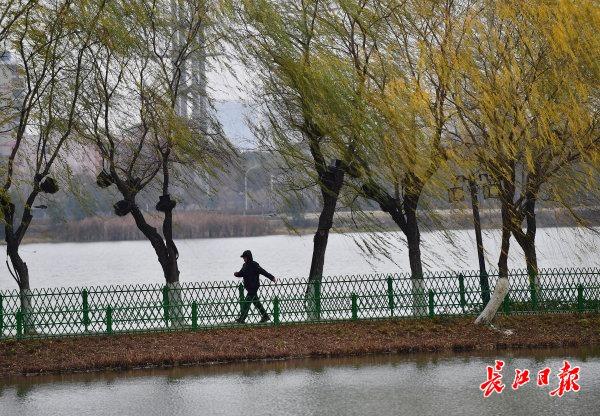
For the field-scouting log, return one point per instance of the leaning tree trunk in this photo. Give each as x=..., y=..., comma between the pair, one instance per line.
x=20, y=271
x=331, y=184
x=21, y=274
x=483, y=276
x=502, y=285
x=404, y=214
x=413, y=241
x=166, y=251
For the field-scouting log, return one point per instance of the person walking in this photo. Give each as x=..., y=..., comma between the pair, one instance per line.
x=250, y=272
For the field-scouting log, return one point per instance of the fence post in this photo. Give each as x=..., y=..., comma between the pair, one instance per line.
x=317, y=291
x=109, y=320
x=165, y=294
x=390, y=294
x=354, y=306
x=431, y=299
x=533, y=289
x=276, y=311
x=86, y=309
x=241, y=296
x=1, y=316
x=580, y=307
x=19, y=318
x=194, y=315
x=506, y=304
x=484, y=282
x=461, y=290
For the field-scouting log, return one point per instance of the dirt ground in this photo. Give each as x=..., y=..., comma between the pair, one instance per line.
x=64, y=355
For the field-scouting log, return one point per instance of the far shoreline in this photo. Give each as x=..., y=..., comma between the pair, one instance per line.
x=301, y=233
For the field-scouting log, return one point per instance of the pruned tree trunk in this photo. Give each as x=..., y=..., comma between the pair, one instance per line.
x=20, y=272
x=171, y=267
x=167, y=254
x=18, y=268
x=171, y=273
x=176, y=307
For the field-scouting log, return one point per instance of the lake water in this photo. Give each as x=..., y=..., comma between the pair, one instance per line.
x=104, y=263
x=372, y=385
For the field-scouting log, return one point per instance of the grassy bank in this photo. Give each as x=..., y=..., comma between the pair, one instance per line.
x=66, y=355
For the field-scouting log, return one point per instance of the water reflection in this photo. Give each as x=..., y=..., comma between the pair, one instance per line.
x=389, y=384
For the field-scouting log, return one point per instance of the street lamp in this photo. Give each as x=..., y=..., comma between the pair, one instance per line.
x=457, y=194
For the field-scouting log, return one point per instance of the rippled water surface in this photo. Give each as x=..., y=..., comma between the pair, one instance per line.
x=375, y=385
x=105, y=263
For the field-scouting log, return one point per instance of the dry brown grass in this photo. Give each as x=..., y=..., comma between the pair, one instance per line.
x=289, y=341
x=193, y=224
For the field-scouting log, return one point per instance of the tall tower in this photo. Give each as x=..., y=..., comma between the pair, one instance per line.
x=192, y=100
x=11, y=89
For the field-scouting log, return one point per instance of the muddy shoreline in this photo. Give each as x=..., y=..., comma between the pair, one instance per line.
x=251, y=343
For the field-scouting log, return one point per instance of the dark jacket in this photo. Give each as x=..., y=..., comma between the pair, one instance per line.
x=250, y=272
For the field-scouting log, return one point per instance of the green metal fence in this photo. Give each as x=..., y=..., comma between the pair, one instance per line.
x=44, y=313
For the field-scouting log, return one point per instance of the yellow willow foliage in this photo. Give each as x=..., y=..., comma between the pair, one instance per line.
x=404, y=145
x=311, y=82
x=417, y=62
x=531, y=91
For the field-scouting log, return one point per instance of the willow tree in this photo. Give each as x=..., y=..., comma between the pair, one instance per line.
x=301, y=88
x=10, y=13
x=405, y=81
x=145, y=110
x=528, y=105
x=48, y=70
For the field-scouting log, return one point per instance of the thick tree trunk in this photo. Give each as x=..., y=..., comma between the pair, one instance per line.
x=167, y=254
x=527, y=243
x=176, y=308
x=500, y=291
x=529, y=250
x=21, y=274
x=172, y=255
x=13, y=238
x=330, y=192
x=171, y=273
x=331, y=184
x=502, y=286
x=530, y=257
x=413, y=241
x=404, y=215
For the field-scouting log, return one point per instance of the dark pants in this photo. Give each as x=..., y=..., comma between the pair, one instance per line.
x=252, y=297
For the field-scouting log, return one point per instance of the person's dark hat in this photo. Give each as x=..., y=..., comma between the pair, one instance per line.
x=247, y=253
